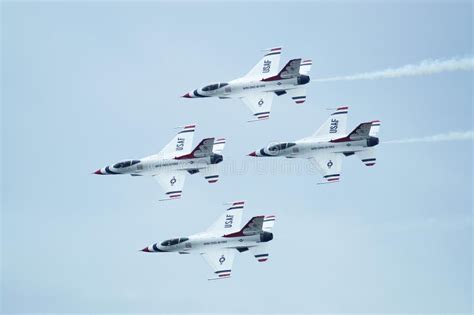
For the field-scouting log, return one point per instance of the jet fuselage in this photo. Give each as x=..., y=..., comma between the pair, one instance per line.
x=203, y=242
x=307, y=147
x=151, y=165
x=243, y=86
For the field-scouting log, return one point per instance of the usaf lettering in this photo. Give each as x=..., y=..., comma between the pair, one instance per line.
x=333, y=126
x=180, y=144
x=229, y=219
x=266, y=66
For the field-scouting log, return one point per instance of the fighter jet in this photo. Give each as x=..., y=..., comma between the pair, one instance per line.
x=327, y=146
x=257, y=88
x=223, y=239
x=171, y=165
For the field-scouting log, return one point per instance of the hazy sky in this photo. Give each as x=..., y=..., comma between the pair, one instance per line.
x=85, y=84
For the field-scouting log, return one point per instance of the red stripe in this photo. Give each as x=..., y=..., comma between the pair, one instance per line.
x=270, y=216
x=332, y=179
x=375, y=121
x=309, y=60
x=238, y=203
x=224, y=275
x=262, y=259
x=212, y=181
x=341, y=108
x=370, y=164
x=299, y=102
x=175, y=196
x=189, y=126
x=275, y=49
x=262, y=117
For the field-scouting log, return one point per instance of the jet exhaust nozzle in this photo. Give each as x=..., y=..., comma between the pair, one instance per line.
x=216, y=158
x=266, y=237
x=303, y=79
x=372, y=141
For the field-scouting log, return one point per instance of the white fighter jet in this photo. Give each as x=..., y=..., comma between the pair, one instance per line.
x=257, y=88
x=327, y=146
x=223, y=239
x=171, y=165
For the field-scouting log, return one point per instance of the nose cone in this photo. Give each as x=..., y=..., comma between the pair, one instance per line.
x=98, y=172
x=253, y=154
x=187, y=95
x=146, y=250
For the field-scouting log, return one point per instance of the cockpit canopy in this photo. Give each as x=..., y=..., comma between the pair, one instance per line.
x=126, y=163
x=214, y=86
x=281, y=146
x=174, y=241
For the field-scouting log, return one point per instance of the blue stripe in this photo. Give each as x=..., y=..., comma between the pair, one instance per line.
x=174, y=192
x=108, y=171
x=191, y=130
x=238, y=207
x=273, y=53
x=195, y=92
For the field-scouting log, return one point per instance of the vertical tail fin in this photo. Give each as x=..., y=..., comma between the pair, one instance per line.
x=203, y=149
x=361, y=131
x=253, y=226
x=290, y=70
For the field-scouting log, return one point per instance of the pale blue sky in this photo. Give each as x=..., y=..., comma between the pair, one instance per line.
x=89, y=83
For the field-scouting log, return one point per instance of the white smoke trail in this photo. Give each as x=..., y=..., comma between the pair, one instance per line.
x=426, y=67
x=450, y=136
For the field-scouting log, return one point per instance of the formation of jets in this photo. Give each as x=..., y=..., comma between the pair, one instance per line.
x=325, y=149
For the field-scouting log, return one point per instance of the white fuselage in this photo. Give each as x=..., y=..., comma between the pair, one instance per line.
x=308, y=147
x=244, y=86
x=204, y=242
x=154, y=164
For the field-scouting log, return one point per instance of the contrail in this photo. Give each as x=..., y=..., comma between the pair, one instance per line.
x=426, y=67
x=450, y=136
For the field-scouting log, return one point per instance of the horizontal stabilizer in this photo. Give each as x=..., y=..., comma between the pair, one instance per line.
x=367, y=156
x=211, y=173
x=219, y=145
x=268, y=223
x=298, y=95
x=374, y=130
x=305, y=67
